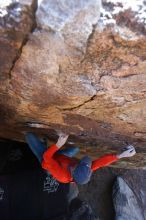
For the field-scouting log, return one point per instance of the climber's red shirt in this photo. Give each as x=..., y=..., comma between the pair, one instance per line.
x=58, y=165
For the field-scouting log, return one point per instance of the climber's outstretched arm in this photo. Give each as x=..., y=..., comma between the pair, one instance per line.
x=110, y=158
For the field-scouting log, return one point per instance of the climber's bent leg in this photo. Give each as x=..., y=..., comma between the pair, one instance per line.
x=37, y=147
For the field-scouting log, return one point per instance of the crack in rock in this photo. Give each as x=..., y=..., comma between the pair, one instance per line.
x=90, y=37
x=78, y=106
x=25, y=40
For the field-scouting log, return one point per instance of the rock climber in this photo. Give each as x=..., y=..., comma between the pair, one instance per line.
x=62, y=165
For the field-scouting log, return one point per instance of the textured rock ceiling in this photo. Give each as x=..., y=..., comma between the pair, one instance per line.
x=64, y=68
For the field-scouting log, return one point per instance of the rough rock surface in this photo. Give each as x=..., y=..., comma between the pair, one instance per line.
x=126, y=202
x=16, y=22
x=99, y=192
x=76, y=73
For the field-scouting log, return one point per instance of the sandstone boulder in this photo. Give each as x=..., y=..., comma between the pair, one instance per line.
x=77, y=73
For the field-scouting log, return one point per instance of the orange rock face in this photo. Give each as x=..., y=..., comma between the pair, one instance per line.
x=76, y=73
